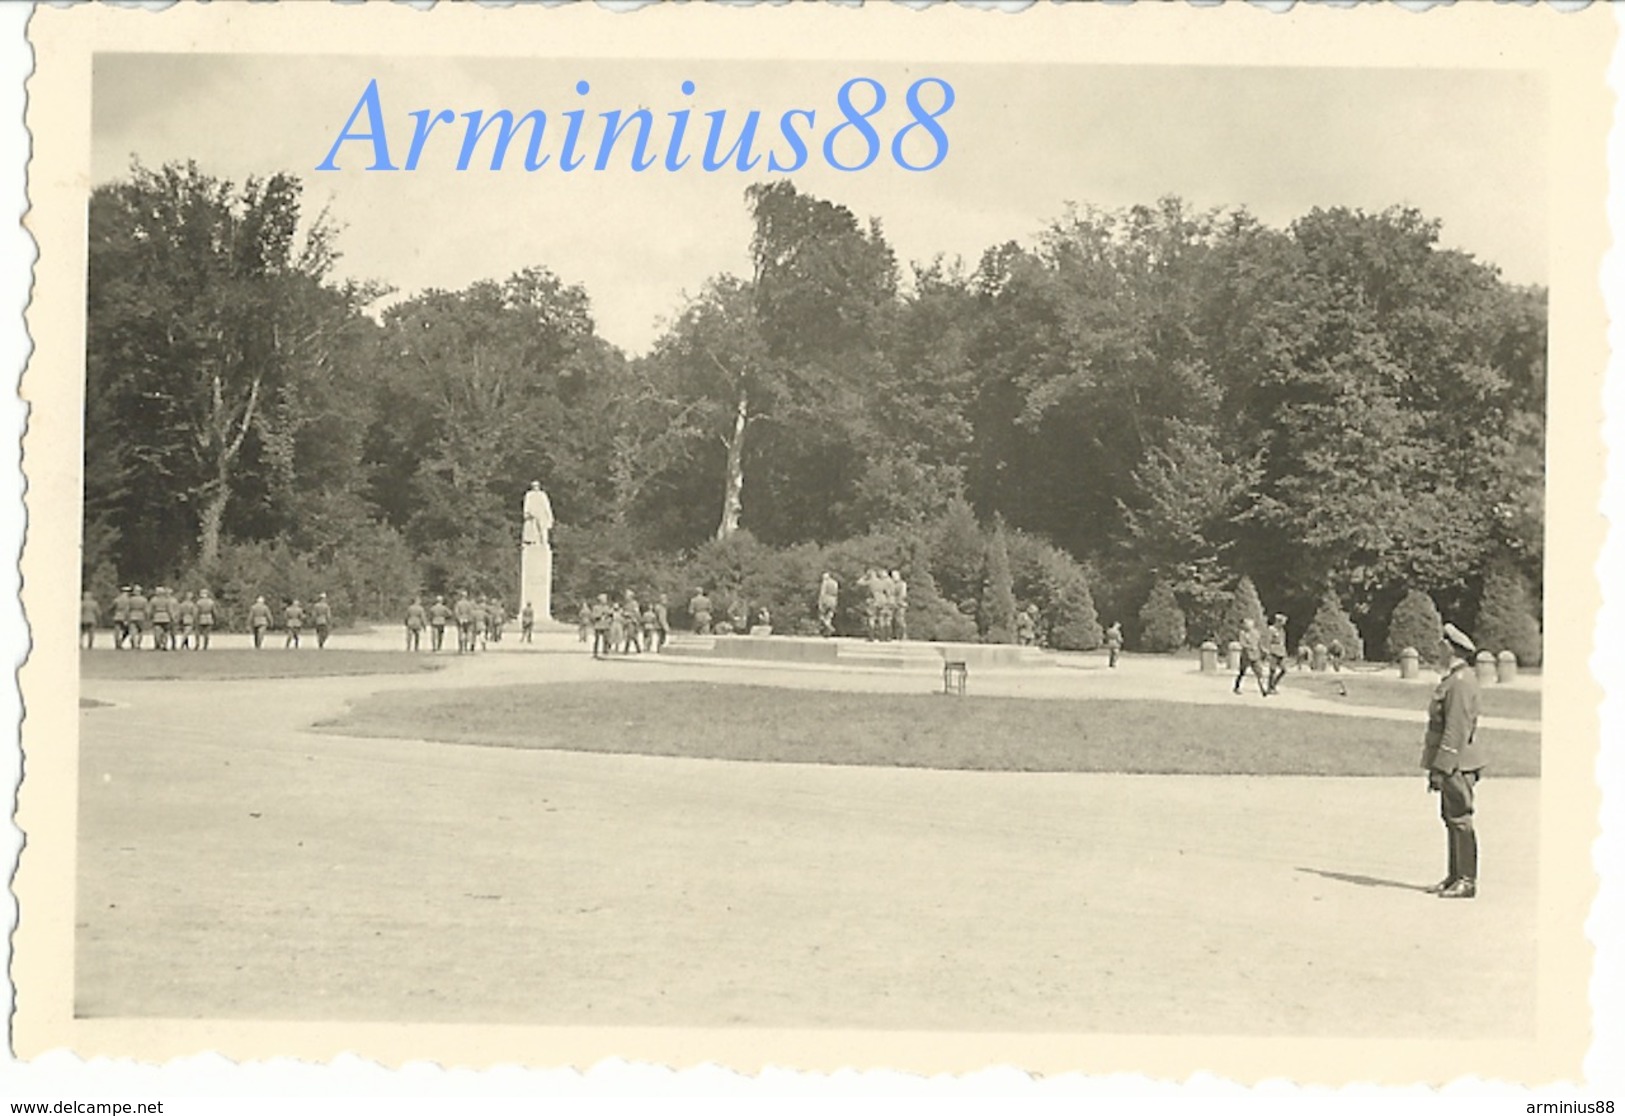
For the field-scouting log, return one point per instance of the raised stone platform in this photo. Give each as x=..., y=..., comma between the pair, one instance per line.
x=841, y=652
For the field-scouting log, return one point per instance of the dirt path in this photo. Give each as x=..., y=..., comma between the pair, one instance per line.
x=234, y=865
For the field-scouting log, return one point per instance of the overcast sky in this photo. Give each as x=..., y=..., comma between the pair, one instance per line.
x=1465, y=147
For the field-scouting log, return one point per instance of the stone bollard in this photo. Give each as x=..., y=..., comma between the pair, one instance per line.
x=1506, y=667
x=1232, y=657
x=1410, y=663
x=1317, y=657
x=1210, y=657
x=1484, y=666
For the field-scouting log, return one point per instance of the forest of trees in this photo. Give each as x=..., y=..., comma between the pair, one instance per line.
x=1159, y=398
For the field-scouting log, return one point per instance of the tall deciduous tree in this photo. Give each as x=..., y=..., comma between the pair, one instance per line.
x=206, y=305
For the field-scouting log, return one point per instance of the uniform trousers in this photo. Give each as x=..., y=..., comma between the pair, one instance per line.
x=1456, y=808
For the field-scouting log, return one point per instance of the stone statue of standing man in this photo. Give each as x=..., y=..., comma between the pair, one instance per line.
x=536, y=553
x=538, y=515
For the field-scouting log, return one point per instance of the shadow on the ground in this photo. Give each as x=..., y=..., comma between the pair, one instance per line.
x=1363, y=881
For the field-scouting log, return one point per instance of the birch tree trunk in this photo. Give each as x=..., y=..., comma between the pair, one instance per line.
x=734, y=483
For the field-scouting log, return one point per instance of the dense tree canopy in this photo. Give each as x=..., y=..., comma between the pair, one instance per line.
x=1174, y=397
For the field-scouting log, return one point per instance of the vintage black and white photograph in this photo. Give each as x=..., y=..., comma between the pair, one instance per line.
x=799, y=544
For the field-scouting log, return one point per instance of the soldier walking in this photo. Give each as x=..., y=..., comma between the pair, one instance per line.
x=1275, y=650
x=416, y=618
x=161, y=611
x=527, y=622
x=662, y=623
x=321, y=617
x=259, y=618
x=293, y=618
x=1252, y=657
x=1114, y=643
x=438, y=615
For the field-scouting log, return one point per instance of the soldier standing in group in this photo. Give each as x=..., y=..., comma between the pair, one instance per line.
x=899, y=606
x=584, y=622
x=662, y=623
x=293, y=618
x=1275, y=650
x=463, y=613
x=829, y=599
x=1306, y=654
x=90, y=614
x=138, y=617
x=162, y=616
x=1114, y=643
x=259, y=618
x=527, y=621
x=121, y=617
x=886, y=604
x=496, y=618
x=416, y=619
x=186, y=621
x=478, y=633
x=631, y=620
x=321, y=617
x=602, y=616
x=438, y=615
x=1454, y=760
x=869, y=583
x=699, y=607
x=205, y=619
x=648, y=627
x=1026, y=630
x=1252, y=657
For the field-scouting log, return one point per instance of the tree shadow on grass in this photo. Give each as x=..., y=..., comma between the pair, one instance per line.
x=1363, y=881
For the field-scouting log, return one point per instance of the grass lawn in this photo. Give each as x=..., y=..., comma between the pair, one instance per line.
x=718, y=721
x=247, y=663
x=1389, y=692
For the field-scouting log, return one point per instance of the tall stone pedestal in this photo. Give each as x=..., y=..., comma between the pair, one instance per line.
x=536, y=579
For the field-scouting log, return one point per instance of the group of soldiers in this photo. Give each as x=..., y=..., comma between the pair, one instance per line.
x=1264, y=654
x=624, y=626
x=187, y=623
x=477, y=621
x=885, y=610
x=735, y=617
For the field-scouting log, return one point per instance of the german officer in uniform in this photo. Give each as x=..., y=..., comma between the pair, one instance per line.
x=1453, y=759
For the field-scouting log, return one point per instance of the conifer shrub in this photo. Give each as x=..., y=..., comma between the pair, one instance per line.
x=1330, y=623
x=957, y=553
x=1244, y=605
x=1415, y=623
x=998, y=619
x=1506, y=616
x=1053, y=580
x=1162, y=621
